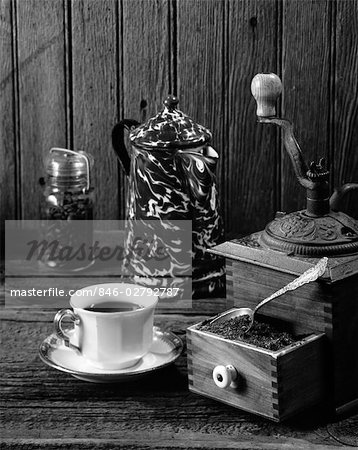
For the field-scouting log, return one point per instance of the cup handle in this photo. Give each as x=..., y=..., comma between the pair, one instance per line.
x=61, y=314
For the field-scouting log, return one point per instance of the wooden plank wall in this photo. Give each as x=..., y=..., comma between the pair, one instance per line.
x=70, y=69
x=9, y=186
x=306, y=62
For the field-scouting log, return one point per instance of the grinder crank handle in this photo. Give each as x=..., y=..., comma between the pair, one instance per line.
x=266, y=88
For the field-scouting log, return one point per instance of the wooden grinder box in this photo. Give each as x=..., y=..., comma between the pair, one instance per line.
x=329, y=305
x=274, y=384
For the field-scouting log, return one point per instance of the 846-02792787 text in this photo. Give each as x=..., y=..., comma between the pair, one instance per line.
x=136, y=291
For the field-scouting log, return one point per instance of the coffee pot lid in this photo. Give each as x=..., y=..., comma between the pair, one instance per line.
x=170, y=128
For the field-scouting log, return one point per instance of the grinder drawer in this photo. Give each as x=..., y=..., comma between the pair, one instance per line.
x=274, y=384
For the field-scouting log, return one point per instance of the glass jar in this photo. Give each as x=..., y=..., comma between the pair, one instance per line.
x=68, y=192
x=69, y=198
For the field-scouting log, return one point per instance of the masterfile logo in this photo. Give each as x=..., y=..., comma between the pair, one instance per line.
x=44, y=258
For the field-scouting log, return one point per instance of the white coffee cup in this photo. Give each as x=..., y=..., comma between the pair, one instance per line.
x=113, y=330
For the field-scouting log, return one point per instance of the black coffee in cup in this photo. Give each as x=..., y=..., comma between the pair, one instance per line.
x=113, y=306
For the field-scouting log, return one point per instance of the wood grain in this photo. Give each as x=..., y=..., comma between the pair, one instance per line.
x=303, y=309
x=166, y=441
x=251, y=159
x=345, y=338
x=249, y=249
x=320, y=307
x=207, y=351
x=202, y=87
x=145, y=57
x=306, y=96
x=42, y=99
x=92, y=62
x=301, y=376
x=146, y=63
x=96, y=59
x=43, y=408
x=268, y=381
x=8, y=153
x=345, y=155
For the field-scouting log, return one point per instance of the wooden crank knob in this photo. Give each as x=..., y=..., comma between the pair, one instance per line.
x=225, y=376
x=266, y=87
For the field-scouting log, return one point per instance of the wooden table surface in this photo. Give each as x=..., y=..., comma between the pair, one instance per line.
x=44, y=408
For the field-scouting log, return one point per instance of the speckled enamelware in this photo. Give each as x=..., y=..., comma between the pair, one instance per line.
x=171, y=170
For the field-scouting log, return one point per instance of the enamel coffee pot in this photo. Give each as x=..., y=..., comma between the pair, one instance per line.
x=170, y=167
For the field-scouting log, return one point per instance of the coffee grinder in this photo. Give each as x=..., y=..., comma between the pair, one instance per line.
x=261, y=263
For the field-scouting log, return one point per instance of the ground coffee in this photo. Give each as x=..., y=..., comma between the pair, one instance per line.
x=261, y=334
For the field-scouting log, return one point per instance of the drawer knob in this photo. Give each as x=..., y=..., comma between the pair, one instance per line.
x=225, y=376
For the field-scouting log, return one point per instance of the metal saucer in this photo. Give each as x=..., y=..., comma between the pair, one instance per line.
x=166, y=348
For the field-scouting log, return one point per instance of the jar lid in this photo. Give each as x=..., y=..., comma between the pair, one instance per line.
x=68, y=165
x=170, y=128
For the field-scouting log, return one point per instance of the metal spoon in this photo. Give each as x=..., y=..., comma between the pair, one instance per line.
x=307, y=277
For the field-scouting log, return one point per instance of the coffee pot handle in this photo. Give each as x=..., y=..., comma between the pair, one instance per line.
x=339, y=193
x=118, y=142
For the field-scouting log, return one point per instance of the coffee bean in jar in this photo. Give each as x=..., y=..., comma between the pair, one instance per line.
x=69, y=198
